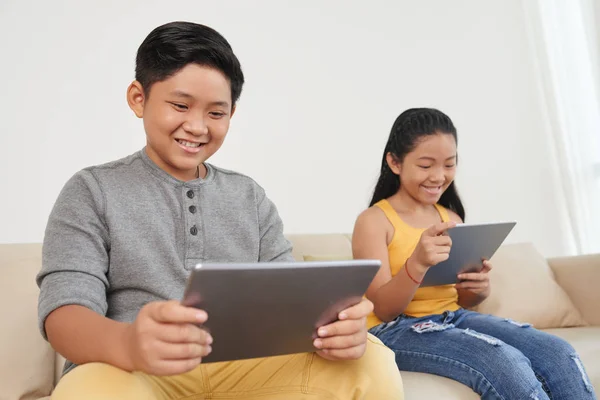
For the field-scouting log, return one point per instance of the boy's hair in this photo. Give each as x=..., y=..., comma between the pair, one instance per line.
x=170, y=47
x=409, y=128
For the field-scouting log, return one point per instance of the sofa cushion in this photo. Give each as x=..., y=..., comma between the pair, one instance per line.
x=524, y=289
x=320, y=257
x=27, y=367
x=320, y=245
x=426, y=386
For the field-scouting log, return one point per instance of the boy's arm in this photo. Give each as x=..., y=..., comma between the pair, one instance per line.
x=73, y=332
x=164, y=339
x=273, y=244
x=73, y=278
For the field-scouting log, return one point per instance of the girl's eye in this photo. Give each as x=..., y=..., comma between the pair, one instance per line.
x=450, y=166
x=425, y=166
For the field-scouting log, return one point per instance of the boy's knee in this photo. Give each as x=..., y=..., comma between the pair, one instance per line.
x=379, y=362
x=100, y=381
x=379, y=356
x=374, y=376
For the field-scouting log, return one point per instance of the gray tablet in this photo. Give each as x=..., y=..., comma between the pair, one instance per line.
x=471, y=243
x=267, y=309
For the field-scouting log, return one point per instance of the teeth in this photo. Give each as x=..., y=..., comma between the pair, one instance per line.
x=189, y=144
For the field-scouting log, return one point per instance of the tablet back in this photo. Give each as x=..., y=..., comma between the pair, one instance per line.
x=471, y=243
x=267, y=309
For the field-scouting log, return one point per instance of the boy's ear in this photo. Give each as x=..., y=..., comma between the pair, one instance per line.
x=232, y=111
x=136, y=98
x=393, y=163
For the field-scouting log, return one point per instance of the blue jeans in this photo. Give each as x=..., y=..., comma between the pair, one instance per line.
x=497, y=358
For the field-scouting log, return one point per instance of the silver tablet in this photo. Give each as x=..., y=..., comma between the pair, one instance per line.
x=471, y=243
x=267, y=309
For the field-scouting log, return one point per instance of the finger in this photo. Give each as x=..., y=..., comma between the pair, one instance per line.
x=183, y=333
x=173, y=312
x=438, y=229
x=357, y=311
x=174, y=367
x=352, y=353
x=184, y=351
x=487, y=266
x=442, y=241
x=472, y=285
x=438, y=258
x=442, y=250
x=341, y=342
x=473, y=276
x=341, y=328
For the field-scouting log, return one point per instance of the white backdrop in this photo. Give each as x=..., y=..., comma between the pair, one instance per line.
x=325, y=81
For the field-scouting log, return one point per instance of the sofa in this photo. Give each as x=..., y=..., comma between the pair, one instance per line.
x=559, y=295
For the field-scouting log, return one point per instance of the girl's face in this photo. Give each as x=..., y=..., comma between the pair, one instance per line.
x=428, y=170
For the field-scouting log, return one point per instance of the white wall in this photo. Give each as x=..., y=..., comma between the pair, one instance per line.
x=325, y=81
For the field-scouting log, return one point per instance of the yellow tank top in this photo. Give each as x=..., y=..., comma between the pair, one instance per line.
x=428, y=300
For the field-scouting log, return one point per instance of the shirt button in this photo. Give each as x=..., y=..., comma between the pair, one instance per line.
x=190, y=194
x=192, y=209
x=194, y=230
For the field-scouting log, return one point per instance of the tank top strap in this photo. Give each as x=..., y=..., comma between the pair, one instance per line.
x=443, y=212
x=390, y=213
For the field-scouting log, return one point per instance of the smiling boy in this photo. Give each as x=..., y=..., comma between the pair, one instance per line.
x=122, y=238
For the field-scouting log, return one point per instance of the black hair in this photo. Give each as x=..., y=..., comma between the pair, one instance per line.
x=172, y=46
x=410, y=127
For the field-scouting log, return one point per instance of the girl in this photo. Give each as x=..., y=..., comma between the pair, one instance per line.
x=430, y=329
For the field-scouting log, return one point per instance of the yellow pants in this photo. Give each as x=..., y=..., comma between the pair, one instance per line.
x=299, y=376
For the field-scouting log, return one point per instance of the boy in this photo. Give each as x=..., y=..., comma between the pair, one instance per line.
x=122, y=238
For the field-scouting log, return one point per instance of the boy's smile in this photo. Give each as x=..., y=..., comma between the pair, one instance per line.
x=186, y=118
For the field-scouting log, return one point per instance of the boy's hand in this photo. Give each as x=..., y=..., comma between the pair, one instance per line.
x=163, y=339
x=345, y=339
x=476, y=282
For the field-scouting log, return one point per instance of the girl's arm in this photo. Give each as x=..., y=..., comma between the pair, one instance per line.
x=390, y=295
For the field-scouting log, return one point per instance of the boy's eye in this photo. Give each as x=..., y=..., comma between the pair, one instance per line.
x=450, y=166
x=217, y=114
x=425, y=166
x=181, y=107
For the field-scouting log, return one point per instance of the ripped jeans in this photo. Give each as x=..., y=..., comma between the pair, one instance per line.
x=497, y=358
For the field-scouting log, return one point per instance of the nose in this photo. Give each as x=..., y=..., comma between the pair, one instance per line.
x=195, y=125
x=438, y=175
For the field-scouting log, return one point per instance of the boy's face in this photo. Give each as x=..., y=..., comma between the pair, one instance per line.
x=186, y=118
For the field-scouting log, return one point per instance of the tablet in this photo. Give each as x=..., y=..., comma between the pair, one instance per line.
x=471, y=244
x=274, y=308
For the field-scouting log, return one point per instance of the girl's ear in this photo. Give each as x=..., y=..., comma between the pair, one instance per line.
x=393, y=163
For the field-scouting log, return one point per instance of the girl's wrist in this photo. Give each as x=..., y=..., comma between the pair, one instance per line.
x=414, y=270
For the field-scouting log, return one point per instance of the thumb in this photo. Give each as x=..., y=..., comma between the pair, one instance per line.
x=438, y=229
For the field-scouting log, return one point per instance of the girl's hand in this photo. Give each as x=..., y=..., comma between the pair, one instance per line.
x=433, y=247
x=476, y=282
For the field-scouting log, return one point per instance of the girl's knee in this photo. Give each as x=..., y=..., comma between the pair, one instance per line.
x=561, y=345
x=100, y=381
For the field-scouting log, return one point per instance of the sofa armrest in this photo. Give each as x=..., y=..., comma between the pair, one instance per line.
x=579, y=276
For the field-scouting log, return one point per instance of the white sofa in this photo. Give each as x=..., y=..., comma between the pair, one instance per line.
x=557, y=295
